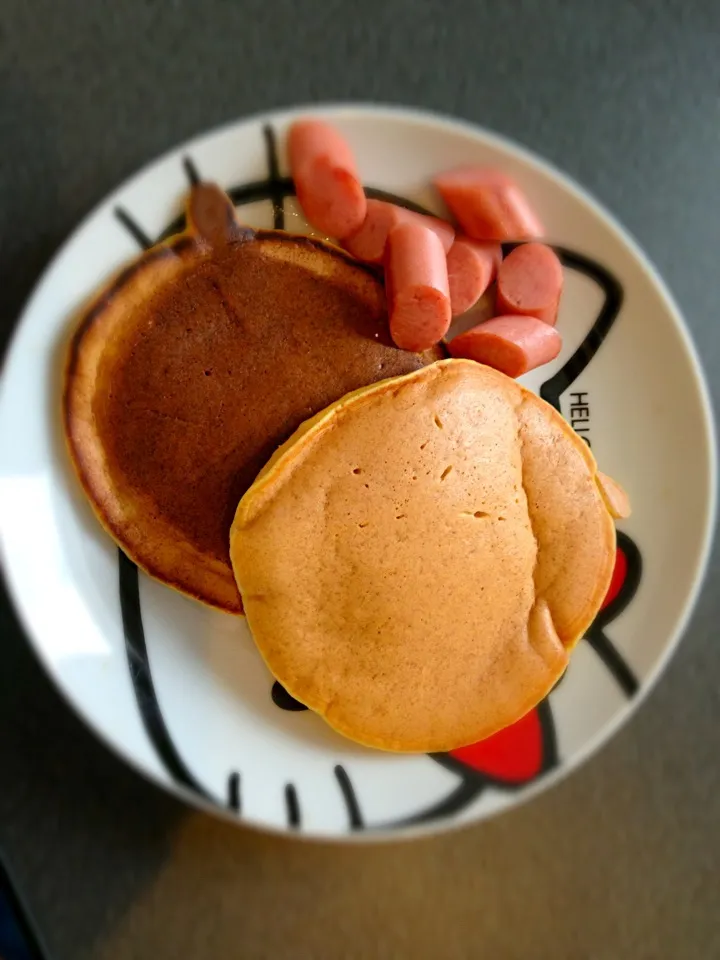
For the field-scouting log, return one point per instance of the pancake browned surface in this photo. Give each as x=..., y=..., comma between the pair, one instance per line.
x=418, y=560
x=190, y=370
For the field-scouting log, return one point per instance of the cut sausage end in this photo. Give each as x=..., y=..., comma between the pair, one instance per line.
x=492, y=350
x=420, y=312
x=513, y=345
x=420, y=318
x=472, y=266
x=530, y=282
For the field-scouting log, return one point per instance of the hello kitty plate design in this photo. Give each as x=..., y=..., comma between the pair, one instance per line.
x=178, y=690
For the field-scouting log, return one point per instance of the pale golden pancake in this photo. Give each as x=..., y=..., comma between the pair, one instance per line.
x=418, y=560
x=190, y=369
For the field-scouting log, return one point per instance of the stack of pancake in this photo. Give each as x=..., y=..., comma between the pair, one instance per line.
x=418, y=544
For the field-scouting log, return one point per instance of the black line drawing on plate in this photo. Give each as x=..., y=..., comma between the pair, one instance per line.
x=628, y=574
x=234, y=802
x=292, y=806
x=515, y=757
x=355, y=818
x=191, y=171
x=537, y=736
x=554, y=388
x=139, y=665
x=135, y=231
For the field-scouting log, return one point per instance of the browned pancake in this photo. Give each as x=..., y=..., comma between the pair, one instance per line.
x=418, y=561
x=195, y=364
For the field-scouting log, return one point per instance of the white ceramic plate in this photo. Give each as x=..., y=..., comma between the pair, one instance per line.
x=179, y=690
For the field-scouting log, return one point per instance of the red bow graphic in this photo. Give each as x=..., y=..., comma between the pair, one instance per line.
x=511, y=756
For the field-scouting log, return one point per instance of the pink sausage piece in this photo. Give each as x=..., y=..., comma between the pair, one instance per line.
x=488, y=204
x=370, y=241
x=472, y=266
x=530, y=281
x=327, y=184
x=417, y=283
x=513, y=345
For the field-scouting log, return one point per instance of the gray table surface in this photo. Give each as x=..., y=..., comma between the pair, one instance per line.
x=621, y=860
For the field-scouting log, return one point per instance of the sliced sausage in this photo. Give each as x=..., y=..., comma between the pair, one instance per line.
x=472, y=265
x=488, y=204
x=370, y=241
x=513, y=345
x=530, y=281
x=417, y=283
x=328, y=187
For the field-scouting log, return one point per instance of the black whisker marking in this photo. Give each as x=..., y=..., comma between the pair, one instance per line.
x=191, y=171
x=135, y=231
x=234, y=801
x=292, y=806
x=608, y=653
x=139, y=666
x=275, y=182
x=549, y=736
x=352, y=806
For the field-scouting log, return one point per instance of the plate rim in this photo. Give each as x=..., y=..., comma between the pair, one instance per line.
x=439, y=121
